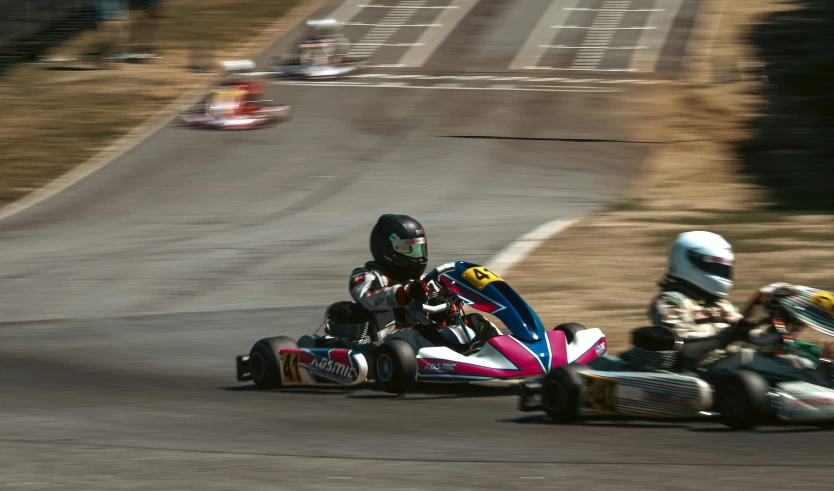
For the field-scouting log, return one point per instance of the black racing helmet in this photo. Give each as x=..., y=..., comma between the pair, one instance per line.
x=398, y=244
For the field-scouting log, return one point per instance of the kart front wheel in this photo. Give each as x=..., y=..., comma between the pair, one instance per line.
x=560, y=393
x=741, y=399
x=264, y=361
x=395, y=366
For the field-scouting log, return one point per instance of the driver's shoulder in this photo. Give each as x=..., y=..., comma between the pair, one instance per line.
x=675, y=299
x=369, y=269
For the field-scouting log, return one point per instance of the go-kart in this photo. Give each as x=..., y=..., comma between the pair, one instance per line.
x=778, y=380
x=323, y=53
x=236, y=104
x=347, y=355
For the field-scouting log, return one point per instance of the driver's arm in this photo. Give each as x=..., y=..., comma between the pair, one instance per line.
x=366, y=292
x=372, y=297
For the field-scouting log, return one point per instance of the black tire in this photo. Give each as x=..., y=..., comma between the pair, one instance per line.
x=264, y=361
x=741, y=399
x=395, y=366
x=570, y=329
x=560, y=393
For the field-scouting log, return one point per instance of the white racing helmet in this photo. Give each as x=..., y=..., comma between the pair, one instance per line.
x=703, y=259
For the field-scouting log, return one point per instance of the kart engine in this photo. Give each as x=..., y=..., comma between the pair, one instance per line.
x=660, y=360
x=346, y=321
x=655, y=347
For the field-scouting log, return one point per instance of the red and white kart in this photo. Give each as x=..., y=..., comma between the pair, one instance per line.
x=236, y=104
x=349, y=356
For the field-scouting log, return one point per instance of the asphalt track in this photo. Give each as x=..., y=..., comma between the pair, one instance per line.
x=126, y=297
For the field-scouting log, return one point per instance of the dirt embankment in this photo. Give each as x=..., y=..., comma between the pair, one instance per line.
x=603, y=271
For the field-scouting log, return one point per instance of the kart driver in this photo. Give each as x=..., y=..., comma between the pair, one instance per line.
x=391, y=286
x=693, y=301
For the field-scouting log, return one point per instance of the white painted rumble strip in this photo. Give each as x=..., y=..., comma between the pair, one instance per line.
x=582, y=69
x=646, y=61
x=526, y=244
x=559, y=46
x=388, y=25
x=433, y=37
x=347, y=10
x=401, y=25
x=615, y=10
x=640, y=28
x=532, y=51
x=555, y=88
x=366, y=6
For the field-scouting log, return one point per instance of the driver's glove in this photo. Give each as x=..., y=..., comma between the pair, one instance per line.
x=413, y=290
x=738, y=332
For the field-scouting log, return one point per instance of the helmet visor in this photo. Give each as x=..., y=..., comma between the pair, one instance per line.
x=716, y=266
x=415, y=248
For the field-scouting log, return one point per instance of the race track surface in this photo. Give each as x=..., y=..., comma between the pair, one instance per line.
x=126, y=297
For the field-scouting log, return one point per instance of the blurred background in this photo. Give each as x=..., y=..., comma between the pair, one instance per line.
x=485, y=119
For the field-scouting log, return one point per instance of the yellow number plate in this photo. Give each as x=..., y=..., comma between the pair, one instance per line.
x=289, y=366
x=825, y=301
x=480, y=277
x=598, y=394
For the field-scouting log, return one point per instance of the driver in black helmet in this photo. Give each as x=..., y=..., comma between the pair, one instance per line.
x=391, y=286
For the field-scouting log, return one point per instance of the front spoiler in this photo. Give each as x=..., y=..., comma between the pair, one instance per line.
x=529, y=399
x=801, y=402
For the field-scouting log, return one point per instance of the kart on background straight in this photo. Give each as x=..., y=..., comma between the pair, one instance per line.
x=236, y=103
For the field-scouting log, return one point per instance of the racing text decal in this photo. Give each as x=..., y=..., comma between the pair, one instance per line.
x=332, y=369
x=598, y=394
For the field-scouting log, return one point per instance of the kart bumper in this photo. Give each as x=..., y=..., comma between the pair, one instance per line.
x=530, y=396
x=244, y=372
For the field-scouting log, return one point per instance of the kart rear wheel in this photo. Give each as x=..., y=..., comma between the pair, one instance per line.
x=264, y=361
x=560, y=393
x=741, y=399
x=395, y=366
x=570, y=329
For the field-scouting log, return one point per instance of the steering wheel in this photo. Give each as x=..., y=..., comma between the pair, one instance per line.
x=445, y=307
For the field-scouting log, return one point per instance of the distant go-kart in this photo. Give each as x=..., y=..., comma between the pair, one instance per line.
x=775, y=383
x=236, y=103
x=323, y=53
x=347, y=353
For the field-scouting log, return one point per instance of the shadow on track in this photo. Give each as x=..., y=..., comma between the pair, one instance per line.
x=420, y=392
x=597, y=423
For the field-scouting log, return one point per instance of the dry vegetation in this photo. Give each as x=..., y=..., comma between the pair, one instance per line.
x=52, y=120
x=602, y=272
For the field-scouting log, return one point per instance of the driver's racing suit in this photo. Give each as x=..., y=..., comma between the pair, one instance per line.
x=383, y=297
x=694, y=317
x=691, y=315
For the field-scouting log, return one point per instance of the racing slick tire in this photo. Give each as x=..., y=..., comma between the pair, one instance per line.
x=560, y=393
x=395, y=366
x=741, y=399
x=264, y=361
x=570, y=329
